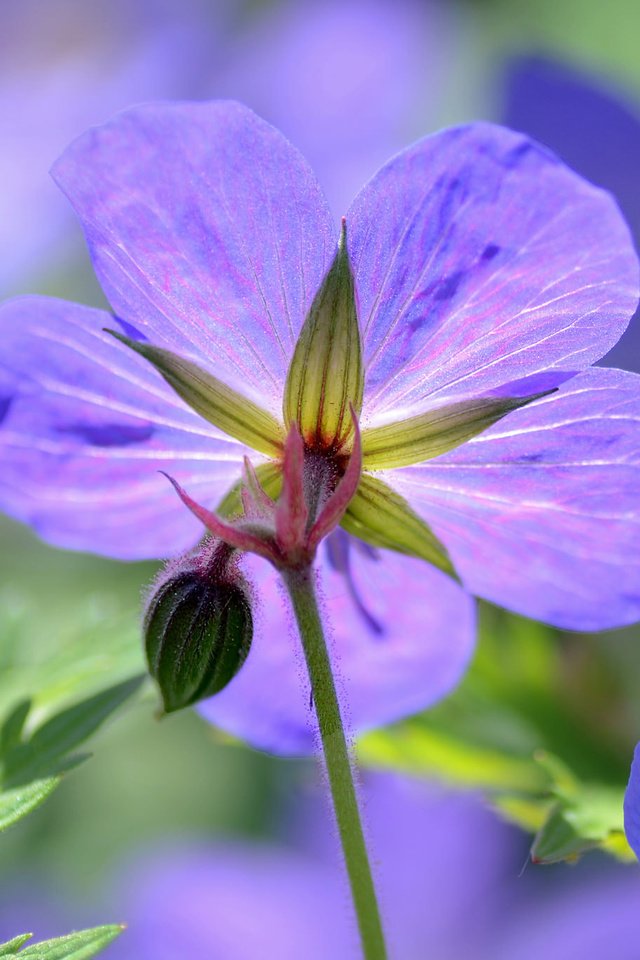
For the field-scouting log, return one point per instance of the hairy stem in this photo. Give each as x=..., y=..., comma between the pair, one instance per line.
x=300, y=584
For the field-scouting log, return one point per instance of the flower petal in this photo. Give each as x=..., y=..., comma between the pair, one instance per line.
x=632, y=805
x=208, y=232
x=482, y=262
x=87, y=425
x=403, y=633
x=540, y=512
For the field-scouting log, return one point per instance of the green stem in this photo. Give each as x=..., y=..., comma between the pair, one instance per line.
x=300, y=584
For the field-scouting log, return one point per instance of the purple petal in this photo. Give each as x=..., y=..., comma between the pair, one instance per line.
x=540, y=512
x=87, y=425
x=632, y=805
x=401, y=632
x=208, y=232
x=480, y=259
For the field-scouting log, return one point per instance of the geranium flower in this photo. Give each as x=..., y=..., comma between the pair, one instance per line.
x=487, y=275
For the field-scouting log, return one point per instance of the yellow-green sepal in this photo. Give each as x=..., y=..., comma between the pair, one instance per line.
x=435, y=432
x=326, y=373
x=270, y=478
x=380, y=516
x=226, y=409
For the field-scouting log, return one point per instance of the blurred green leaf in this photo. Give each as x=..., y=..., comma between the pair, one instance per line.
x=11, y=947
x=75, y=946
x=47, y=752
x=517, y=729
x=17, y=803
x=90, y=645
x=31, y=767
x=583, y=816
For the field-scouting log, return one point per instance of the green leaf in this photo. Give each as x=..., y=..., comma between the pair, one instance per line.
x=11, y=947
x=557, y=840
x=74, y=946
x=226, y=409
x=326, y=371
x=47, y=751
x=435, y=432
x=17, y=803
x=583, y=816
x=31, y=768
x=56, y=652
x=13, y=726
x=380, y=516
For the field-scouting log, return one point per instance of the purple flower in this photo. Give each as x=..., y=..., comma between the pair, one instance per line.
x=66, y=65
x=487, y=274
x=595, y=129
x=349, y=83
x=583, y=920
x=632, y=805
x=240, y=902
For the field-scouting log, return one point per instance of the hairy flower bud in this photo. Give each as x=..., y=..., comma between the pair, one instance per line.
x=198, y=629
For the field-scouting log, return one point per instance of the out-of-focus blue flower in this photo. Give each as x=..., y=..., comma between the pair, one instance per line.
x=595, y=129
x=65, y=65
x=484, y=269
x=632, y=805
x=578, y=920
x=349, y=83
x=438, y=858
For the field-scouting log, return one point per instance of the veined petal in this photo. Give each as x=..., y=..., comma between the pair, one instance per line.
x=541, y=512
x=402, y=633
x=232, y=413
x=85, y=427
x=208, y=232
x=379, y=516
x=435, y=432
x=482, y=261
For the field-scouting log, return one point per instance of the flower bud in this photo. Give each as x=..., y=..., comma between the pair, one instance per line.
x=198, y=630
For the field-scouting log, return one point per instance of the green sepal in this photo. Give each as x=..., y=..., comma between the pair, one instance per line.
x=380, y=516
x=232, y=413
x=270, y=477
x=326, y=372
x=197, y=636
x=435, y=432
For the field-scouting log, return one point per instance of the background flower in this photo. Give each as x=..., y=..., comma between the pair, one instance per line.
x=595, y=128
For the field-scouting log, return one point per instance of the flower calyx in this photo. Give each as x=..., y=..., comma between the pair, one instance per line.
x=316, y=492
x=198, y=626
x=326, y=373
